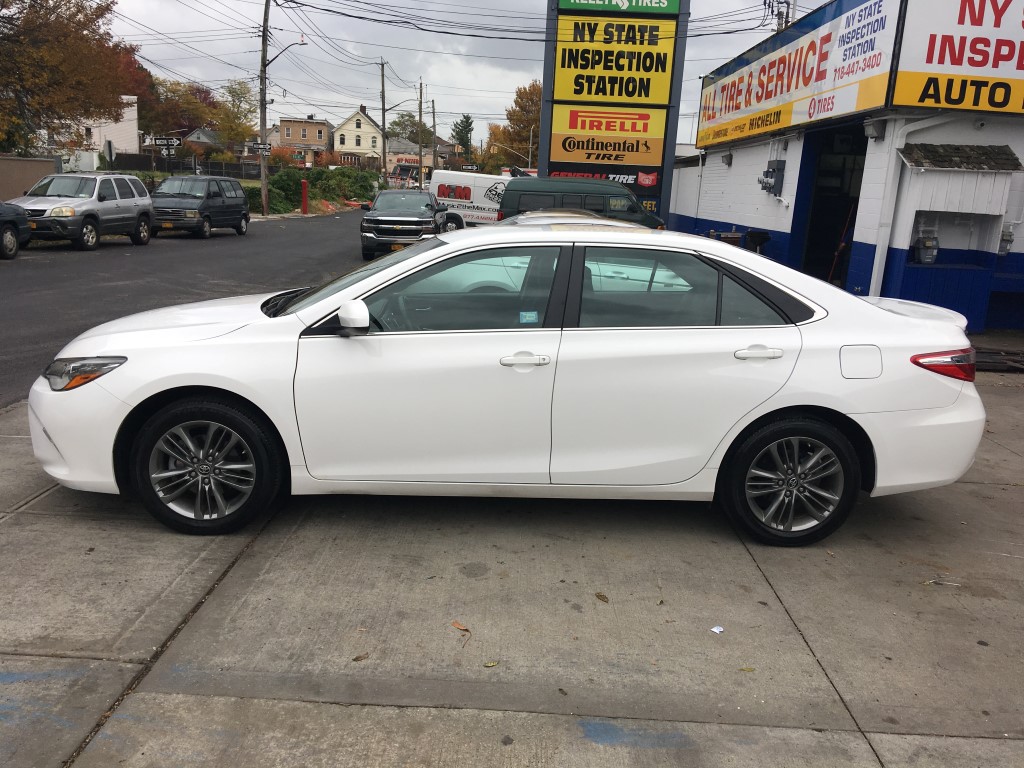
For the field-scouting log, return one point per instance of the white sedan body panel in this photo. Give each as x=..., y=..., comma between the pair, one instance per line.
x=427, y=406
x=637, y=406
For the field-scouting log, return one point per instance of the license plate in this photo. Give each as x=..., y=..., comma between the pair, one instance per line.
x=167, y=225
x=397, y=247
x=31, y=225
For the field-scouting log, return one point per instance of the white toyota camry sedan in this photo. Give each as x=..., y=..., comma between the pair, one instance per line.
x=531, y=361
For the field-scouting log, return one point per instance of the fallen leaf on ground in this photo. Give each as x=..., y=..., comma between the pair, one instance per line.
x=490, y=663
x=746, y=669
x=601, y=596
x=361, y=657
x=460, y=626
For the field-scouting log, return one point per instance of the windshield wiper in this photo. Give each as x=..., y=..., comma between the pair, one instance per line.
x=277, y=304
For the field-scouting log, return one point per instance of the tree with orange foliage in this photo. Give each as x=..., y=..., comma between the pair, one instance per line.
x=59, y=67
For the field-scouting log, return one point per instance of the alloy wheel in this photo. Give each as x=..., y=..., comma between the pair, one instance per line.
x=794, y=484
x=202, y=470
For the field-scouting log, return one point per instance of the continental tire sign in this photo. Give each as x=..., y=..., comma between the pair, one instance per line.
x=608, y=135
x=963, y=54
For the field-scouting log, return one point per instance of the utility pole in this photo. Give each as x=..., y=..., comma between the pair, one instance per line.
x=419, y=129
x=264, y=193
x=383, y=126
x=433, y=132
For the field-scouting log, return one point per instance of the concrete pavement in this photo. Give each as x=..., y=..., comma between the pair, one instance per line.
x=325, y=638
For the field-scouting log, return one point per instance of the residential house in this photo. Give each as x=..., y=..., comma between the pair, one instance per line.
x=204, y=138
x=306, y=138
x=359, y=136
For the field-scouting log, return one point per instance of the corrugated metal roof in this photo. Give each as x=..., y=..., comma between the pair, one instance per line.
x=963, y=157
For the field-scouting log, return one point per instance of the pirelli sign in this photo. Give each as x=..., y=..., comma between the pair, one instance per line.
x=610, y=78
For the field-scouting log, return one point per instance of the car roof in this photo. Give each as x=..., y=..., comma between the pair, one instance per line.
x=531, y=183
x=566, y=217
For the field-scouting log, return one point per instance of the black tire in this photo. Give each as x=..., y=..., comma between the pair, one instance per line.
x=89, y=238
x=791, y=482
x=369, y=254
x=9, y=245
x=452, y=223
x=180, y=480
x=205, y=230
x=142, y=232
x=243, y=225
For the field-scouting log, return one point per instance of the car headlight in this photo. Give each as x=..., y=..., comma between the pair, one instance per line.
x=72, y=372
x=365, y=226
x=191, y=214
x=62, y=212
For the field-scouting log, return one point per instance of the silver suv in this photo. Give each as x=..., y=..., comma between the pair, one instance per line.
x=81, y=207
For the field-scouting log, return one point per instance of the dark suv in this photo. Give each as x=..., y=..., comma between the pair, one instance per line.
x=397, y=218
x=82, y=206
x=200, y=204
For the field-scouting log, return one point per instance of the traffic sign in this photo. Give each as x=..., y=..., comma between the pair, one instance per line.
x=258, y=145
x=165, y=151
x=470, y=168
x=265, y=152
x=164, y=141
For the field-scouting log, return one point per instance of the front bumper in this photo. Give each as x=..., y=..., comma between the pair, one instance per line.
x=166, y=225
x=55, y=228
x=73, y=434
x=925, y=448
x=388, y=242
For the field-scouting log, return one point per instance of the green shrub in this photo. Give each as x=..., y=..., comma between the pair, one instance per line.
x=288, y=182
x=277, y=202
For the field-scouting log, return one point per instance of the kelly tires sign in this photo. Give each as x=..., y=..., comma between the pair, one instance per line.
x=963, y=54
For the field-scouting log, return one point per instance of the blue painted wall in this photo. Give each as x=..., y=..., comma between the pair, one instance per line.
x=777, y=249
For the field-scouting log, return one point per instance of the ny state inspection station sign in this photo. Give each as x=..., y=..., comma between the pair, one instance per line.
x=611, y=92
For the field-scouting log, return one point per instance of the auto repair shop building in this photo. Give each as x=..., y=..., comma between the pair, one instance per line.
x=875, y=144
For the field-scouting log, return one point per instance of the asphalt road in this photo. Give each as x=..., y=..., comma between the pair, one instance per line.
x=51, y=292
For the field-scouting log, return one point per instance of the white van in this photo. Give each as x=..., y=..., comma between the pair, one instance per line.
x=472, y=198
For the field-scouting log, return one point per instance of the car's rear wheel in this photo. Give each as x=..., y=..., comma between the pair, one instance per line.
x=243, y=226
x=141, y=234
x=8, y=242
x=206, y=466
x=89, y=237
x=791, y=482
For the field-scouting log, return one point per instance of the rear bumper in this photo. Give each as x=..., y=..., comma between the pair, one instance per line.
x=928, y=448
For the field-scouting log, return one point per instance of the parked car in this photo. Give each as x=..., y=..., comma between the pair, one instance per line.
x=727, y=377
x=472, y=198
x=14, y=230
x=81, y=207
x=200, y=204
x=602, y=196
x=397, y=218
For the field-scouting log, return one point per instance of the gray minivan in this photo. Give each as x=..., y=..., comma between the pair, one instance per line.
x=200, y=204
x=603, y=197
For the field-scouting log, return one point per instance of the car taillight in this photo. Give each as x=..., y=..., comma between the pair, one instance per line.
x=957, y=363
x=501, y=216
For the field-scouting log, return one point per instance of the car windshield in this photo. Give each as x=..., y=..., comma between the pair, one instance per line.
x=181, y=188
x=401, y=202
x=313, y=295
x=64, y=186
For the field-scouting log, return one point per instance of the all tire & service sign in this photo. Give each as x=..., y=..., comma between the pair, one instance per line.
x=611, y=92
x=963, y=54
x=833, y=62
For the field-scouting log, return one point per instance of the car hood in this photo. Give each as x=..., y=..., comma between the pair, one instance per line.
x=41, y=201
x=182, y=323
x=183, y=203
x=918, y=310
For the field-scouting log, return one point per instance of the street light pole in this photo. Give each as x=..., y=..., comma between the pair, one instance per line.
x=264, y=191
x=420, y=134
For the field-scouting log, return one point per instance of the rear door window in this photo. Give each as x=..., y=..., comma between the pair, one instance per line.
x=139, y=187
x=594, y=203
x=572, y=201
x=531, y=201
x=124, y=189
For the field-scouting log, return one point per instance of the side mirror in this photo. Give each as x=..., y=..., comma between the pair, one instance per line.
x=101, y=197
x=353, y=318
x=365, y=206
x=442, y=208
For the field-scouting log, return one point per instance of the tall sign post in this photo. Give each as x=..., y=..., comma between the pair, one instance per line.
x=613, y=72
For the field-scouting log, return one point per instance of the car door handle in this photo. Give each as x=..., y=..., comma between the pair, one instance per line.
x=512, y=360
x=757, y=352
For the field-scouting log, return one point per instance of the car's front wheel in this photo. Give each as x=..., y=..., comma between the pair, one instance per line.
x=89, y=237
x=791, y=482
x=205, y=229
x=8, y=242
x=206, y=466
x=451, y=224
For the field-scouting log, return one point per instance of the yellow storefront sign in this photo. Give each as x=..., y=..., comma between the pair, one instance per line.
x=952, y=91
x=608, y=135
x=605, y=59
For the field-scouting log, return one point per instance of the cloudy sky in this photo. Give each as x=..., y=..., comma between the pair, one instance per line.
x=470, y=55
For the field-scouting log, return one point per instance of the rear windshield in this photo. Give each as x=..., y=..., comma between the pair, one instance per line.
x=64, y=186
x=181, y=188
